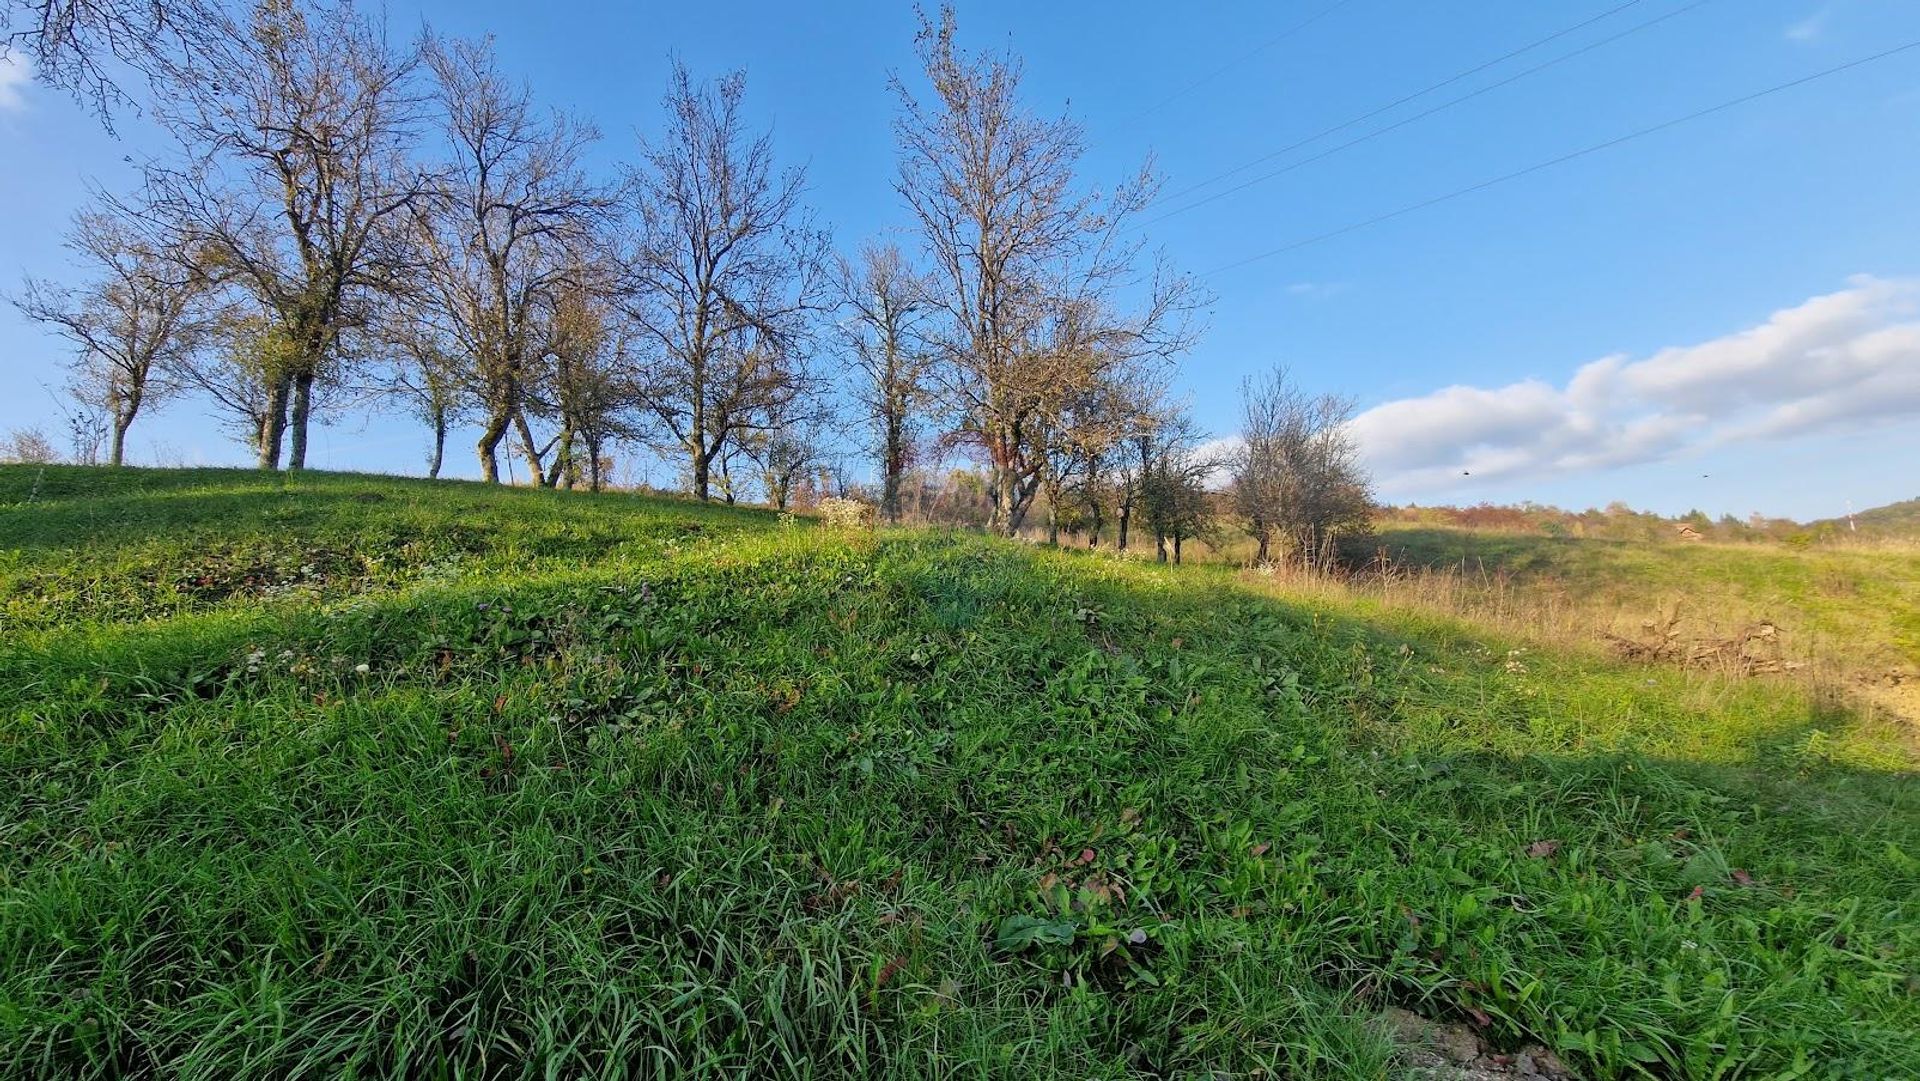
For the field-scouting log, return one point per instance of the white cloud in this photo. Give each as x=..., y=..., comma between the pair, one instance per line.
x=1221, y=453
x=15, y=73
x=1220, y=449
x=1837, y=361
x=1811, y=27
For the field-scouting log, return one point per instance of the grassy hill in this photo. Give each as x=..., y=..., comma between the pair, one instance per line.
x=1851, y=611
x=1895, y=520
x=348, y=776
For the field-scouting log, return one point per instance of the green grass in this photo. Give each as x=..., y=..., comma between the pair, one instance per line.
x=632, y=788
x=1855, y=607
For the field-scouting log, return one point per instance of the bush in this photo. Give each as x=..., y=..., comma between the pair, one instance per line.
x=846, y=513
x=28, y=446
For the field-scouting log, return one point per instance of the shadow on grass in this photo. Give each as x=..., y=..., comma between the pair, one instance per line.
x=1481, y=552
x=799, y=793
x=76, y=508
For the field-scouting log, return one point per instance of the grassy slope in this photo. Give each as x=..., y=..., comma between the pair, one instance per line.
x=630, y=786
x=1898, y=520
x=1852, y=606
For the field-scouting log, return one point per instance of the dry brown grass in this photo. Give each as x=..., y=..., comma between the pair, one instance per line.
x=1843, y=618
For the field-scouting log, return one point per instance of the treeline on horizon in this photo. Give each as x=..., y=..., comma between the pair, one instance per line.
x=346, y=222
x=1619, y=521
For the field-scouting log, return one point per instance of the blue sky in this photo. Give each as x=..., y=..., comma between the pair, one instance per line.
x=1723, y=315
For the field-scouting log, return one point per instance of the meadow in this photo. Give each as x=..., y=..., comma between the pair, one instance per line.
x=310, y=775
x=1841, y=614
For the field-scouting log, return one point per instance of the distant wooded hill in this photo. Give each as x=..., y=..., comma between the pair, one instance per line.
x=1900, y=519
x=1621, y=522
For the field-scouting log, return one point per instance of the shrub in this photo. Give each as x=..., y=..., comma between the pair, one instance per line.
x=846, y=513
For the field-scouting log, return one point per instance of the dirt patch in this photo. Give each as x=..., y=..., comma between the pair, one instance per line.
x=1895, y=691
x=1756, y=650
x=1444, y=1052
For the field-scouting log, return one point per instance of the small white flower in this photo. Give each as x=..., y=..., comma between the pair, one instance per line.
x=363, y=669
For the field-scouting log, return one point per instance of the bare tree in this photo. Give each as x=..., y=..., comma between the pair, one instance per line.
x=784, y=458
x=27, y=446
x=240, y=372
x=132, y=325
x=501, y=232
x=88, y=427
x=1298, y=476
x=1103, y=444
x=591, y=386
x=296, y=125
x=794, y=443
x=724, y=273
x=1074, y=431
x=1128, y=466
x=423, y=369
x=1173, y=498
x=1097, y=492
x=885, y=301
x=1060, y=454
x=1030, y=268
x=76, y=44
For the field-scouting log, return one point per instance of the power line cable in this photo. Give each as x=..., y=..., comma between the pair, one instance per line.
x=1397, y=102
x=1442, y=107
x=1230, y=65
x=1564, y=158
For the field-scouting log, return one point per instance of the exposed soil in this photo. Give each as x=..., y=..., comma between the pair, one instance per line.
x=1449, y=1052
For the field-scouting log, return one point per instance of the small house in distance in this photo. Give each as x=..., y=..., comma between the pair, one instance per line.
x=1689, y=533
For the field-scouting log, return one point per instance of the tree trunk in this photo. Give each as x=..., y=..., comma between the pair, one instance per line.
x=1263, y=536
x=725, y=482
x=1009, y=501
x=273, y=426
x=702, y=471
x=1160, y=545
x=1014, y=502
x=593, y=463
x=563, y=474
x=1126, y=518
x=1176, y=549
x=697, y=434
x=891, y=469
x=118, y=455
x=535, y=468
x=299, y=409
x=489, y=445
x=439, y=453
x=999, y=521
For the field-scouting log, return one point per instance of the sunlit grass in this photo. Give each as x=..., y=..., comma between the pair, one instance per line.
x=633, y=788
x=1850, y=607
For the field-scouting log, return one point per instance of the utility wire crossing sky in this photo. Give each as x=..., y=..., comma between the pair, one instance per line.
x=1504, y=340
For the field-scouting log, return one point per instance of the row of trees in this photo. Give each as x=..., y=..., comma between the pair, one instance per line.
x=1291, y=482
x=344, y=219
